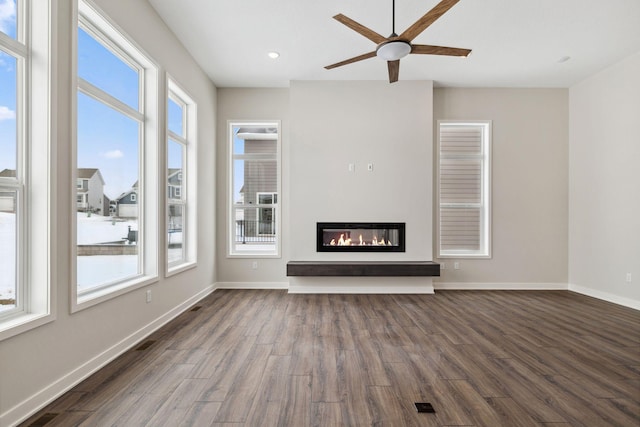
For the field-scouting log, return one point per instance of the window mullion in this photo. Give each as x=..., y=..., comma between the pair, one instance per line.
x=102, y=96
x=12, y=46
x=255, y=156
x=177, y=138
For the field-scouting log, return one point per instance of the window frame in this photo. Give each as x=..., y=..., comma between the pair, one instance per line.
x=35, y=120
x=485, y=251
x=231, y=208
x=89, y=17
x=188, y=177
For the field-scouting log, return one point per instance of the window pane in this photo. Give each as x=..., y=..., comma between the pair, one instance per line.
x=8, y=233
x=100, y=67
x=255, y=184
x=460, y=229
x=107, y=203
x=254, y=230
x=8, y=17
x=176, y=123
x=460, y=181
x=260, y=176
x=174, y=238
x=8, y=107
x=174, y=173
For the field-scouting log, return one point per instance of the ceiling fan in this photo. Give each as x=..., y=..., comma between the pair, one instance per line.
x=395, y=47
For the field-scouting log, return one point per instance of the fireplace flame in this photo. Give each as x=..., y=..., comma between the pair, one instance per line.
x=347, y=242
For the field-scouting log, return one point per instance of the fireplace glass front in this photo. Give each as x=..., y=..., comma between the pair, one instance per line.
x=360, y=237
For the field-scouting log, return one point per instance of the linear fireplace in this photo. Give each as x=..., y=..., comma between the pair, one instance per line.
x=360, y=237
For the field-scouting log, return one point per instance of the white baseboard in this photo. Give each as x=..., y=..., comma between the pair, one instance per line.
x=503, y=286
x=252, y=285
x=360, y=285
x=39, y=400
x=616, y=299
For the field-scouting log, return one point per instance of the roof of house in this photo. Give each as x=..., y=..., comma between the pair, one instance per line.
x=11, y=173
x=86, y=172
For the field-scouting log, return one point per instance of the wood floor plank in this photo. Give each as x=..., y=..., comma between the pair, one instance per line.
x=387, y=409
x=326, y=414
x=240, y=397
x=353, y=389
x=200, y=414
x=573, y=408
x=325, y=371
x=175, y=408
x=271, y=392
x=476, y=407
x=114, y=409
x=225, y=359
x=141, y=413
x=482, y=358
x=296, y=409
x=520, y=390
x=511, y=413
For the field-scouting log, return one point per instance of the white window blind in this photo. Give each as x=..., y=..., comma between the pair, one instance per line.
x=463, y=181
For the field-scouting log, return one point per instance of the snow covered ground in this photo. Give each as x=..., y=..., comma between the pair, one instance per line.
x=92, y=270
x=96, y=229
x=7, y=258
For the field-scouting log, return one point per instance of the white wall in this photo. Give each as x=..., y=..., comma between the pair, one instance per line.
x=529, y=186
x=258, y=105
x=604, y=202
x=337, y=123
x=39, y=364
x=326, y=126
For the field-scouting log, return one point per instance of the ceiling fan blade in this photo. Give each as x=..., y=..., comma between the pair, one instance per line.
x=359, y=28
x=351, y=60
x=429, y=18
x=424, y=49
x=394, y=70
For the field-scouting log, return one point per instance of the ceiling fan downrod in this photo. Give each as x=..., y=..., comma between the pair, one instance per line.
x=393, y=19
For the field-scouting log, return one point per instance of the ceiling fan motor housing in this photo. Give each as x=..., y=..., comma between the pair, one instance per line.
x=393, y=50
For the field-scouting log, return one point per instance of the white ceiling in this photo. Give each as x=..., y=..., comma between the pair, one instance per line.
x=515, y=43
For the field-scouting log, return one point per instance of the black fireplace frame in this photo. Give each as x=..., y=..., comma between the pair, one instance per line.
x=400, y=226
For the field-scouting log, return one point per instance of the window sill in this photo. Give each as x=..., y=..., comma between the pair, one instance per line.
x=23, y=323
x=254, y=255
x=179, y=268
x=99, y=296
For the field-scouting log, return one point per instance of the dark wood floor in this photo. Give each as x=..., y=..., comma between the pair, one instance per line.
x=266, y=358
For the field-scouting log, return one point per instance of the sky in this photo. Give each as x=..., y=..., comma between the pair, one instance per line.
x=7, y=89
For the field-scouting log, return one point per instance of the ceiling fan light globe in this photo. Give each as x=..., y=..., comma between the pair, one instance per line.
x=393, y=50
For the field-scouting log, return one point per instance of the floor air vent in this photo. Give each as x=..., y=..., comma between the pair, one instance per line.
x=43, y=420
x=145, y=345
x=196, y=308
x=424, y=407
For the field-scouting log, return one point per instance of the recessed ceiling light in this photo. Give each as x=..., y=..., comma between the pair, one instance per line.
x=564, y=59
x=273, y=55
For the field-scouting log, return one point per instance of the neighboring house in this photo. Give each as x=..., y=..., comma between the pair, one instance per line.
x=127, y=203
x=260, y=185
x=174, y=186
x=90, y=191
x=7, y=198
x=174, y=191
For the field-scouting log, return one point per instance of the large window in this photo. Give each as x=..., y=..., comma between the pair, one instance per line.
x=254, y=166
x=181, y=223
x=13, y=58
x=116, y=154
x=24, y=165
x=464, y=220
